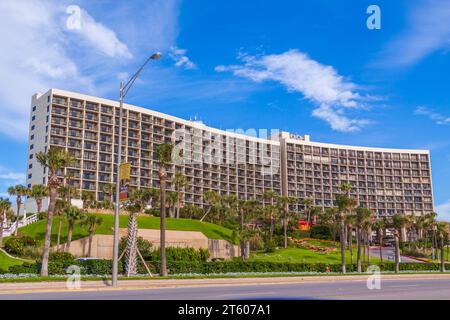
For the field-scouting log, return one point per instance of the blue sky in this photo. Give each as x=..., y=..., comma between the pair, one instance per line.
x=310, y=67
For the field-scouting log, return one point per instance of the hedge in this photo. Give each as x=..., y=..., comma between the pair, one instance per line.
x=103, y=267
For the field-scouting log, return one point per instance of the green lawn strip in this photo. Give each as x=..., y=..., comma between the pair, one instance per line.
x=215, y=276
x=211, y=231
x=6, y=262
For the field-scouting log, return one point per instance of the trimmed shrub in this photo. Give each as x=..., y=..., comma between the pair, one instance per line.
x=322, y=232
x=98, y=267
x=182, y=254
x=17, y=245
x=144, y=246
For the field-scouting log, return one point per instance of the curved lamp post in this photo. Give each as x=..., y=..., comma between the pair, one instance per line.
x=124, y=88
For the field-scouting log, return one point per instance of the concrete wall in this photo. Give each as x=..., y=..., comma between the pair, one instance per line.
x=102, y=245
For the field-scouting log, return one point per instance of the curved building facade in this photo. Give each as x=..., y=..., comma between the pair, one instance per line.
x=387, y=181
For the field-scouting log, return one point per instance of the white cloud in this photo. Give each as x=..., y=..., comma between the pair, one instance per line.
x=8, y=177
x=100, y=37
x=330, y=92
x=181, y=59
x=427, y=31
x=443, y=211
x=434, y=116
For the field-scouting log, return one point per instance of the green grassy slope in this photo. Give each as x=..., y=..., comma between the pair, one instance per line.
x=6, y=262
x=212, y=231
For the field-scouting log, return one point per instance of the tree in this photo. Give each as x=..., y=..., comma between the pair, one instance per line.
x=91, y=221
x=5, y=206
x=73, y=215
x=171, y=202
x=109, y=189
x=87, y=197
x=132, y=235
x=362, y=216
x=164, y=157
x=442, y=235
x=399, y=222
x=283, y=207
x=179, y=181
x=308, y=203
x=54, y=160
x=272, y=196
x=350, y=221
x=18, y=191
x=380, y=225
x=212, y=199
x=60, y=207
x=38, y=192
x=329, y=217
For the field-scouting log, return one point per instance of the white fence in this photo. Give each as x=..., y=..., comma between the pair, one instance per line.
x=10, y=229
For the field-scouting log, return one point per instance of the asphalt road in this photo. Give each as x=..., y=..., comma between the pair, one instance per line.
x=389, y=254
x=415, y=289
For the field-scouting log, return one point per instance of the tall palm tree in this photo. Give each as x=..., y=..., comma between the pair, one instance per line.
x=18, y=191
x=362, y=216
x=91, y=222
x=283, y=207
x=171, y=203
x=399, y=222
x=38, y=192
x=329, y=217
x=5, y=206
x=308, y=203
x=350, y=222
x=379, y=225
x=179, y=181
x=60, y=207
x=212, y=198
x=109, y=189
x=164, y=157
x=55, y=159
x=88, y=197
x=73, y=215
x=272, y=196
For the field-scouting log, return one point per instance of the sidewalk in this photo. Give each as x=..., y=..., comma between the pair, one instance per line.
x=11, y=288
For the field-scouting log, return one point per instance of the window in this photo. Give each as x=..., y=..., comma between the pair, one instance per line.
x=33, y=118
x=32, y=137
x=48, y=108
x=48, y=99
x=34, y=108
x=29, y=186
x=30, y=166
x=46, y=120
x=46, y=139
x=30, y=176
x=46, y=129
x=43, y=181
x=33, y=127
x=31, y=156
x=32, y=147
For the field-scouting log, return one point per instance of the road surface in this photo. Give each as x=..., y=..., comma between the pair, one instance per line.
x=406, y=287
x=389, y=255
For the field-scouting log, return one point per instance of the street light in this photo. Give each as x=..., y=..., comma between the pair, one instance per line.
x=124, y=88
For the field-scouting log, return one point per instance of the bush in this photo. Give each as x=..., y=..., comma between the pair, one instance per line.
x=270, y=246
x=152, y=212
x=42, y=215
x=17, y=245
x=144, y=246
x=322, y=232
x=98, y=267
x=182, y=254
x=28, y=268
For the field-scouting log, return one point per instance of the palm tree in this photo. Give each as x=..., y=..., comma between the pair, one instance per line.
x=132, y=235
x=212, y=199
x=350, y=221
x=39, y=191
x=399, y=222
x=164, y=157
x=308, y=203
x=329, y=217
x=272, y=196
x=55, y=159
x=442, y=234
x=60, y=207
x=109, y=189
x=283, y=206
x=88, y=197
x=362, y=216
x=379, y=225
x=171, y=202
x=91, y=221
x=73, y=215
x=19, y=191
x=179, y=181
x=5, y=206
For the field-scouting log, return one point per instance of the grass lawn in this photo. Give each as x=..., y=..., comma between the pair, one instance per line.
x=212, y=231
x=303, y=255
x=6, y=262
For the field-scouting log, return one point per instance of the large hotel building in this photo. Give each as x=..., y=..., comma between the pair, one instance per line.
x=388, y=181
